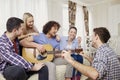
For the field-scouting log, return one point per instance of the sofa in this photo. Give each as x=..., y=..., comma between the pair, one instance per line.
x=60, y=70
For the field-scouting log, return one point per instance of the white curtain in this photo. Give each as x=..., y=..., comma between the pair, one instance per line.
x=80, y=24
x=65, y=27
x=16, y=8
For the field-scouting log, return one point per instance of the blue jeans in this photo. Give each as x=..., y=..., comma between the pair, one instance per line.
x=78, y=58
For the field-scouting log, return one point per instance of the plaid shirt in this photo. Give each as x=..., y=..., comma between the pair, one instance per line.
x=106, y=63
x=8, y=55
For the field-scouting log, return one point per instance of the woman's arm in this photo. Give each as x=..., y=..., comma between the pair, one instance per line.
x=27, y=35
x=29, y=42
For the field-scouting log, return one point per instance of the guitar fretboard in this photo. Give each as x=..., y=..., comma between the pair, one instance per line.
x=59, y=51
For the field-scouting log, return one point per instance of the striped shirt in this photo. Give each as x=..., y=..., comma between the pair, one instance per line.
x=8, y=55
x=106, y=63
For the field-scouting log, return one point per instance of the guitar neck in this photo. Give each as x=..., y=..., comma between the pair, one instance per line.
x=56, y=52
x=59, y=51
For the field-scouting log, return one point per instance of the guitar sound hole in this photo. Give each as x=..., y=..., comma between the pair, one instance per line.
x=40, y=57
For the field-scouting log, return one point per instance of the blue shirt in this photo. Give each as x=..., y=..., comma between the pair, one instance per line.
x=64, y=41
x=42, y=39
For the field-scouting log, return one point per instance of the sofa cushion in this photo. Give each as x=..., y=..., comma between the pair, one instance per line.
x=1, y=77
x=60, y=71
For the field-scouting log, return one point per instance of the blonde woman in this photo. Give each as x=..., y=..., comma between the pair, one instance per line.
x=29, y=28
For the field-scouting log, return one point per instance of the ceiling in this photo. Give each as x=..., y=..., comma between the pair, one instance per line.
x=90, y=2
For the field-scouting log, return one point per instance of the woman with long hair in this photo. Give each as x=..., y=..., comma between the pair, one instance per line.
x=29, y=27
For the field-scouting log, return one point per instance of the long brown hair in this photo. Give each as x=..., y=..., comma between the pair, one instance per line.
x=26, y=16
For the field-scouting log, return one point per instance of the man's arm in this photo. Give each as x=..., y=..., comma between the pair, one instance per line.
x=13, y=58
x=28, y=42
x=85, y=70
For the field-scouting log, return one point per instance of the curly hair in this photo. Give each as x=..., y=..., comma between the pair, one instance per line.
x=47, y=27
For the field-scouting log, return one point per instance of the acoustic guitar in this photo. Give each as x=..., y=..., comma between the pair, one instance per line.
x=34, y=56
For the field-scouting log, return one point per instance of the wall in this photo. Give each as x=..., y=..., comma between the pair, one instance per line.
x=114, y=19
x=55, y=9
x=16, y=8
x=105, y=14
x=102, y=14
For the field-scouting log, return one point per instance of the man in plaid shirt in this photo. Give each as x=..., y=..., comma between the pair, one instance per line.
x=12, y=65
x=105, y=65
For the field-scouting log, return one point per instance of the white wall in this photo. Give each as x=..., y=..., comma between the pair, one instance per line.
x=16, y=8
x=114, y=19
x=105, y=14
x=55, y=9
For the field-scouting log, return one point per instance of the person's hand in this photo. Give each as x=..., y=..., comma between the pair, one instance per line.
x=83, y=54
x=37, y=66
x=57, y=37
x=40, y=48
x=86, y=56
x=66, y=55
x=79, y=39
